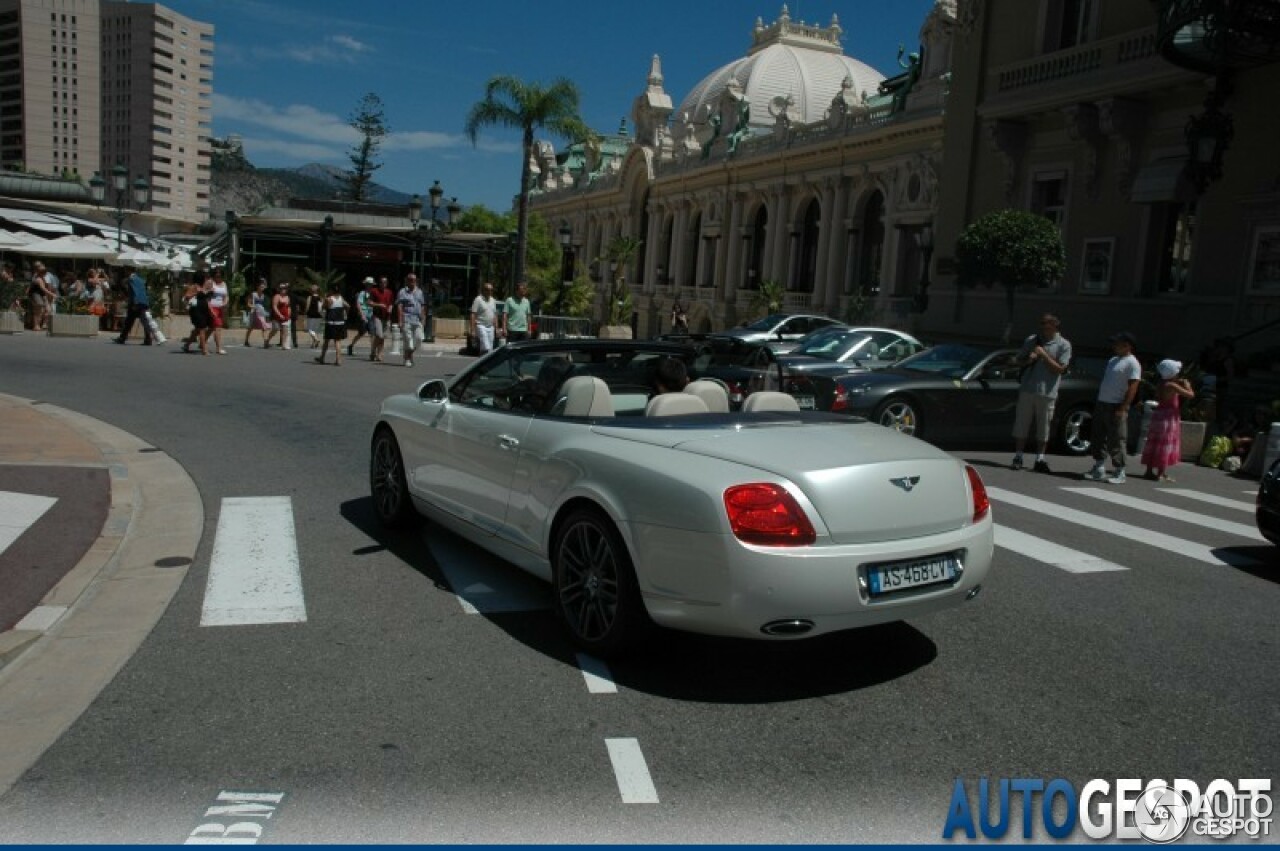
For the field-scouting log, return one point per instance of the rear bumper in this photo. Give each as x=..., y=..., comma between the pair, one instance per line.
x=715, y=584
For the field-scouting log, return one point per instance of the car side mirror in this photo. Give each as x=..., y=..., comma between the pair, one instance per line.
x=434, y=390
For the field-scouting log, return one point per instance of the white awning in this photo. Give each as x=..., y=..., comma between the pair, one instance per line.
x=1162, y=181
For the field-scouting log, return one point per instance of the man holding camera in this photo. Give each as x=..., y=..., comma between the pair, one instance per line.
x=1046, y=356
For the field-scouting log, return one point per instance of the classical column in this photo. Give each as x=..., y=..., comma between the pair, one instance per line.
x=826, y=224
x=835, y=232
x=779, y=237
x=679, y=246
x=651, y=248
x=730, y=265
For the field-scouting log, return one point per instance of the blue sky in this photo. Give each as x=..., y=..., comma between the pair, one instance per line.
x=287, y=73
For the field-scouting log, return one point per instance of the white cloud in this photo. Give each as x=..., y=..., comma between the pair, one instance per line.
x=350, y=43
x=316, y=127
x=333, y=50
x=294, y=151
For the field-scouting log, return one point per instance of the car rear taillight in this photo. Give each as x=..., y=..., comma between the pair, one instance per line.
x=768, y=515
x=981, y=502
x=841, y=402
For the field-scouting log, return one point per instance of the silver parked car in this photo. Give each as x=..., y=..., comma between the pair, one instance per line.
x=780, y=327
x=668, y=509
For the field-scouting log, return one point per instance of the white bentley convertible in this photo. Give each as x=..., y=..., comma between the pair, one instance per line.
x=668, y=509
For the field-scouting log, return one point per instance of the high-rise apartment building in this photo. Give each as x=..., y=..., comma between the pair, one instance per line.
x=86, y=85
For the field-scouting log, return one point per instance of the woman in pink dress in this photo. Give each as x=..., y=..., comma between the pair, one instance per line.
x=1164, y=437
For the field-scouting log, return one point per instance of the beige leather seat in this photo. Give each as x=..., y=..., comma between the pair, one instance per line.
x=770, y=400
x=710, y=392
x=674, y=404
x=584, y=396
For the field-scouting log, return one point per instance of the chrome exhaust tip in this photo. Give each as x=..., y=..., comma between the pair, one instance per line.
x=793, y=626
x=973, y=592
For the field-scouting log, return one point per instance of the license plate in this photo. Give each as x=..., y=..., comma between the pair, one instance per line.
x=900, y=576
x=805, y=402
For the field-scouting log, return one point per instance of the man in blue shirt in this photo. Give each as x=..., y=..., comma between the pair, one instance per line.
x=136, y=292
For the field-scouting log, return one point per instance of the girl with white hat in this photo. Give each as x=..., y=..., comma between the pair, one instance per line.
x=1164, y=437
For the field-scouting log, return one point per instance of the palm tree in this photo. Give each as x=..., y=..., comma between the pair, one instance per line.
x=527, y=107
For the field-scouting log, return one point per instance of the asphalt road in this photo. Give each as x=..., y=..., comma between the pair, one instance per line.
x=394, y=715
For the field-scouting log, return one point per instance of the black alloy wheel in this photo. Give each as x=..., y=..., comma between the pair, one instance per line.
x=387, y=483
x=596, y=596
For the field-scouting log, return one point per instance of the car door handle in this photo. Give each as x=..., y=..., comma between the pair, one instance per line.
x=506, y=441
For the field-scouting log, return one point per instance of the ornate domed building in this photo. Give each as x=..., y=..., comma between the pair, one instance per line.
x=794, y=163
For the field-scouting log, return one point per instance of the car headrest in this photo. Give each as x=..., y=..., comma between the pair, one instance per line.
x=585, y=396
x=710, y=392
x=674, y=404
x=770, y=400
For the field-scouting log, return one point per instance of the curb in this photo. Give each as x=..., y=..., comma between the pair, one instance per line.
x=58, y=659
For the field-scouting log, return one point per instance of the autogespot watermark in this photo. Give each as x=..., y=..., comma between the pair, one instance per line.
x=1128, y=808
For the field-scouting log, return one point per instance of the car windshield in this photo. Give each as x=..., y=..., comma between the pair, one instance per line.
x=952, y=360
x=767, y=323
x=833, y=346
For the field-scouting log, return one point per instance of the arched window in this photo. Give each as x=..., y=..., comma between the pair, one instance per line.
x=872, y=244
x=808, y=272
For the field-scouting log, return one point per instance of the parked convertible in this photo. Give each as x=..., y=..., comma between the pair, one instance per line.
x=640, y=509
x=959, y=394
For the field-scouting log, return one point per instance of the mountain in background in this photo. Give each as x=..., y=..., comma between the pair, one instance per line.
x=236, y=184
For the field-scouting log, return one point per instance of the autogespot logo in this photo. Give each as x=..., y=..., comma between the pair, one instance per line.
x=1158, y=812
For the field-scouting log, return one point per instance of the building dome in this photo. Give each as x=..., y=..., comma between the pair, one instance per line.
x=803, y=62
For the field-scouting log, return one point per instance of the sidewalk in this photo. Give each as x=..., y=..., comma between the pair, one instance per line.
x=116, y=525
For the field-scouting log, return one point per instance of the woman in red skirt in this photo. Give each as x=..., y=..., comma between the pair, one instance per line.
x=1164, y=437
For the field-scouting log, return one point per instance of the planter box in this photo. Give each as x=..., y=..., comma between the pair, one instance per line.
x=615, y=332
x=1192, y=440
x=450, y=329
x=73, y=325
x=10, y=322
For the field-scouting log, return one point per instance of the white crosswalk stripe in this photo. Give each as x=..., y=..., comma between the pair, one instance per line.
x=1213, y=499
x=482, y=582
x=254, y=575
x=1178, y=514
x=1137, y=534
x=1072, y=561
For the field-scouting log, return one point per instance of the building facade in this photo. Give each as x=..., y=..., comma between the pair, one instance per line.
x=86, y=85
x=794, y=164
x=1068, y=109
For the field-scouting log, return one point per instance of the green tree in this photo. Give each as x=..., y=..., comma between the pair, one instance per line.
x=369, y=121
x=618, y=255
x=1012, y=249
x=768, y=298
x=527, y=107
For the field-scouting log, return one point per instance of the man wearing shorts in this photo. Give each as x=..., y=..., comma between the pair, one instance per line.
x=1045, y=355
x=381, y=299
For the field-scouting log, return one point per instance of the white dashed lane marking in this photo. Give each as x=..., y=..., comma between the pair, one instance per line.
x=631, y=771
x=597, y=674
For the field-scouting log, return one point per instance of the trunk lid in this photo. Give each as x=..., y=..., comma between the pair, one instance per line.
x=868, y=483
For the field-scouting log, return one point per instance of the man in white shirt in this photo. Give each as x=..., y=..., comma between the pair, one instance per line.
x=1116, y=393
x=410, y=306
x=484, y=315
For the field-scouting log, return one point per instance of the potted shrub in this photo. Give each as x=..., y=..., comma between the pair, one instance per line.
x=73, y=319
x=11, y=292
x=1012, y=249
x=448, y=322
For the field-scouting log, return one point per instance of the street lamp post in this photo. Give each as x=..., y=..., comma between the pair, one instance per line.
x=924, y=239
x=141, y=196
x=433, y=227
